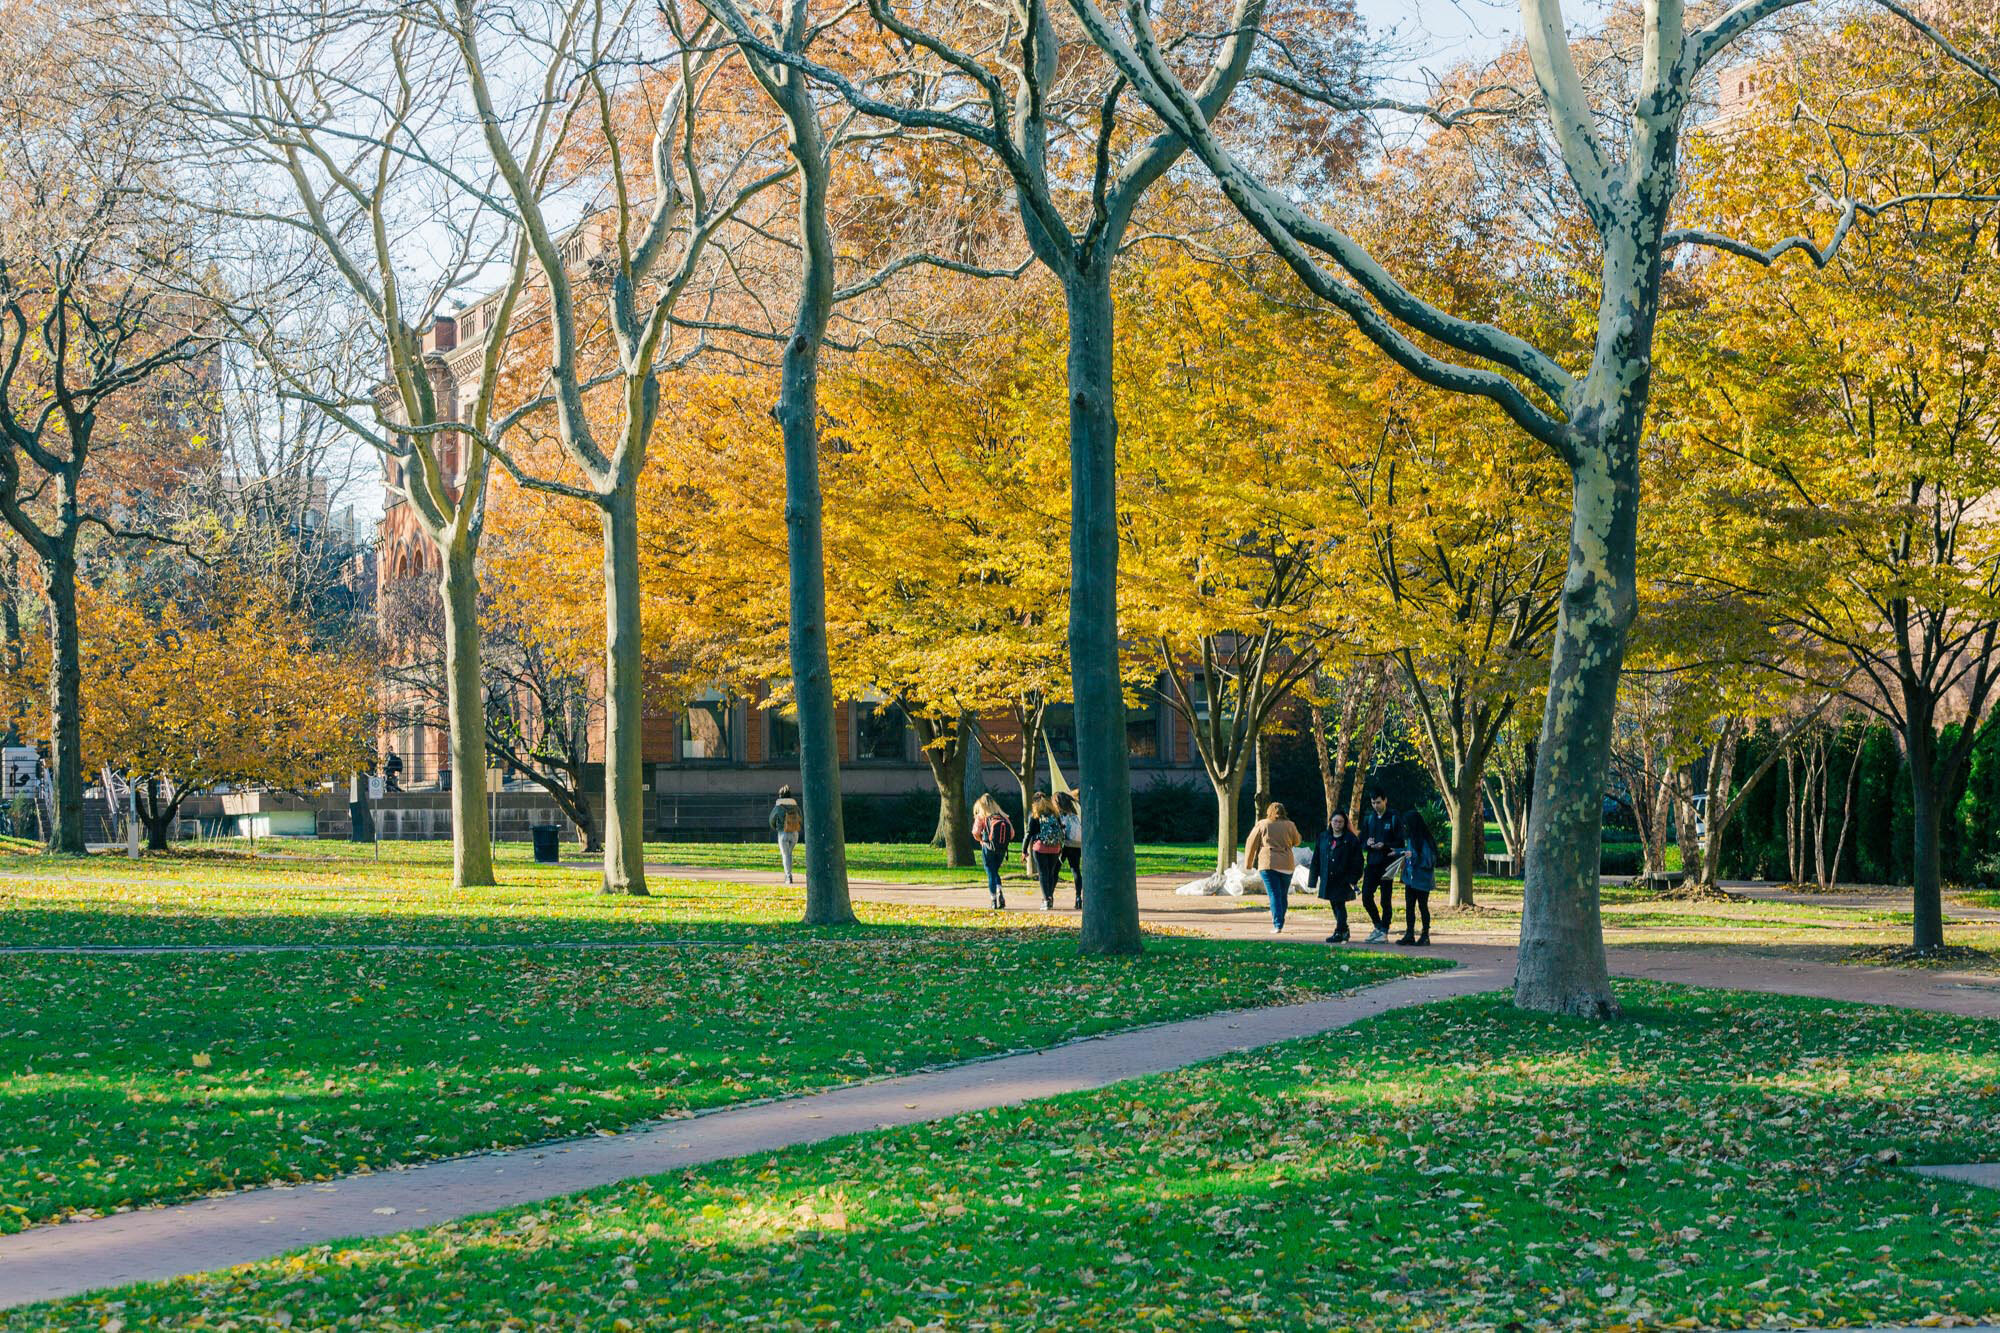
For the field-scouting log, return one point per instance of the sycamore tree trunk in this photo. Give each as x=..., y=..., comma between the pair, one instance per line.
x=1562, y=968
x=465, y=714
x=624, y=770
x=1111, y=904
x=65, y=700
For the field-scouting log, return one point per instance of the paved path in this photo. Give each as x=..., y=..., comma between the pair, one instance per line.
x=72, y=1257
x=1970, y=1173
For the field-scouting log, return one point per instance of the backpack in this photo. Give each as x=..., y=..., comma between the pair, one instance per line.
x=793, y=822
x=1047, y=833
x=998, y=831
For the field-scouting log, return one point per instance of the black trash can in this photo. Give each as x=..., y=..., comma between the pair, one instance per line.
x=545, y=836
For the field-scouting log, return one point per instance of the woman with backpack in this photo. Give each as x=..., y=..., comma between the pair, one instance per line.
x=1336, y=868
x=1071, y=815
x=1043, y=842
x=993, y=833
x=787, y=822
x=1420, y=858
x=1268, y=851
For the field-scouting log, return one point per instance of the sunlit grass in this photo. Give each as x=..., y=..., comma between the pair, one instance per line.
x=1713, y=1160
x=130, y=1078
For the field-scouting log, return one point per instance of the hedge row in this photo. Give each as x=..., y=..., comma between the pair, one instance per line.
x=1878, y=847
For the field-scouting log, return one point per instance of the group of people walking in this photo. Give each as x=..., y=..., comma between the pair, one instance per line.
x=1387, y=848
x=1052, y=839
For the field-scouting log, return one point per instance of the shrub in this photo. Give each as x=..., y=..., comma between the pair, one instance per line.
x=1178, y=810
x=1621, y=860
x=910, y=816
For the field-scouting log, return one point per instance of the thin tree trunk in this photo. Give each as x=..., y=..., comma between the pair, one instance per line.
x=1831, y=880
x=1228, y=797
x=1686, y=823
x=65, y=702
x=465, y=711
x=946, y=758
x=1819, y=789
x=1927, y=889
x=1793, y=803
x=1329, y=769
x=1111, y=908
x=1562, y=968
x=624, y=770
x=1468, y=833
x=1377, y=710
x=570, y=799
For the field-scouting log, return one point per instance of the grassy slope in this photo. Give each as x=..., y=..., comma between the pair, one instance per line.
x=1715, y=1159
x=327, y=1061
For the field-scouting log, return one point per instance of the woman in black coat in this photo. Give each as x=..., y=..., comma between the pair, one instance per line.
x=1336, y=867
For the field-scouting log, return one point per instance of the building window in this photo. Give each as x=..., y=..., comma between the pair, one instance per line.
x=1059, y=731
x=708, y=731
x=1143, y=729
x=781, y=737
x=880, y=732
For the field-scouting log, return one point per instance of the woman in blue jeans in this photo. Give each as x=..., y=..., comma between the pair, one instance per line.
x=1420, y=858
x=1268, y=851
x=993, y=833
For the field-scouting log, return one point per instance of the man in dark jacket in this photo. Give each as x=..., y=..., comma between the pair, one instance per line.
x=1381, y=838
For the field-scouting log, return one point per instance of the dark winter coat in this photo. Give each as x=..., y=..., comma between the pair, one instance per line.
x=1336, y=866
x=1385, y=828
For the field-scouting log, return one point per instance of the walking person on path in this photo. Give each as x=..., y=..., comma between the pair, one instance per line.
x=992, y=831
x=1268, y=851
x=788, y=822
x=1381, y=835
x=1042, y=844
x=1336, y=865
x=1070, y=811
x=1420, y=858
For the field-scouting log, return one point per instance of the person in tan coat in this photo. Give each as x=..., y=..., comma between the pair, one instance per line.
x=1268, y=851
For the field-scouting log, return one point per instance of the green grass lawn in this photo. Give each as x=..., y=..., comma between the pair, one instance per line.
x=1715, y=1159
x=128, y=1079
